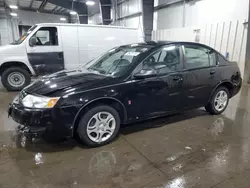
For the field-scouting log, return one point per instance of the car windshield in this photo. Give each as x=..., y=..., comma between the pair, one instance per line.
x=24, y=36
x=117, y=61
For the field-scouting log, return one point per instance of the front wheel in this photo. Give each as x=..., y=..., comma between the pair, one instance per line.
x=218, y=102
x=15, y=78
x=99, y=126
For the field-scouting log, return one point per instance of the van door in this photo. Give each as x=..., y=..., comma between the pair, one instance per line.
x=70, y=43
x=45, y=52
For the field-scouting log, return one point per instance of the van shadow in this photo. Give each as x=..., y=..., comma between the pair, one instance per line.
x=51, y=144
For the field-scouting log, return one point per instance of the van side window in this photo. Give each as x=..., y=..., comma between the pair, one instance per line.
x=46, y=36
x=198, y=56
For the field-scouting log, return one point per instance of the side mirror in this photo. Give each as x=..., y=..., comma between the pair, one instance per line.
x=32, y=41
x=145, y=73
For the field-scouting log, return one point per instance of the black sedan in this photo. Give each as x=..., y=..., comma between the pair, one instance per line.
x=127, y=84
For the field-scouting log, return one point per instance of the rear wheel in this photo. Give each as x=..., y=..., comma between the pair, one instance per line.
x=15, y=78
x=99, y=126
x=218, y=102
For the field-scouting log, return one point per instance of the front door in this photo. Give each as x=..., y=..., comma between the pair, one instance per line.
x=160, y=94
x=46, y=55
x=200, y=74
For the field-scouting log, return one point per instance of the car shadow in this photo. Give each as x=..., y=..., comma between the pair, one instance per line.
x=50, y=144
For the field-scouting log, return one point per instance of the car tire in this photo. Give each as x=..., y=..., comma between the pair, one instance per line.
x=22, y=76
x=216, y=104
x=98, y=126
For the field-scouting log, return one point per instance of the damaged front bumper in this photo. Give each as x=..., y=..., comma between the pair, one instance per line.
x=31, y=122
x=30, y=131
x=37, y=122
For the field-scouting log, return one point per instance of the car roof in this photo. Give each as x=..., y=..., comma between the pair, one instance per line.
x=155, y=44
x=160, y=43
x=149, y=43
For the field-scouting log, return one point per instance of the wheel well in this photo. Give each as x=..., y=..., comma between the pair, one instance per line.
x=110, y=102
x=229, y=86
x=7, y=65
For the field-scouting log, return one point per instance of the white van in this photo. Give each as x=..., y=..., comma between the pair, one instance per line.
x=48, y=48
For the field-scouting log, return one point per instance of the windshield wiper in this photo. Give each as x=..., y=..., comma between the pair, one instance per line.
x=97, y=70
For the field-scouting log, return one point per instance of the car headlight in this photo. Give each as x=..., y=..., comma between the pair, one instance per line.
x=32, y=101
x=16, y=100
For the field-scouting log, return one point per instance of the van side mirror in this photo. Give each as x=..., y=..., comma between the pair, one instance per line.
x=32, y=41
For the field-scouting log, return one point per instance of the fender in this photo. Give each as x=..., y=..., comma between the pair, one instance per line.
x=17, y=63
x=221, y=82
x=15, y=54
x=100, y=98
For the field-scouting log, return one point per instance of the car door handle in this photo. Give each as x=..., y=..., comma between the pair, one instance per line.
x=212, y=72
x=177, y=78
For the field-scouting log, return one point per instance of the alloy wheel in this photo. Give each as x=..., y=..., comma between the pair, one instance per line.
x=220, y=101
x=101, y=127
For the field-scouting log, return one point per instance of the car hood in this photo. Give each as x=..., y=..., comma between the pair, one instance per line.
x=66, y=80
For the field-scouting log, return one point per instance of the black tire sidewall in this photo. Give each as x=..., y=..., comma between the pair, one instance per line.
x=82, y=127
x=5, y=74
x=212, y=106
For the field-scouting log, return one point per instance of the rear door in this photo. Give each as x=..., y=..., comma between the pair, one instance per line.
x=200, y=74
x=46, y=56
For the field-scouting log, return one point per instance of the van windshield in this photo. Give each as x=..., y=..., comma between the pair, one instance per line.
x=117, y=61
x=24, y=36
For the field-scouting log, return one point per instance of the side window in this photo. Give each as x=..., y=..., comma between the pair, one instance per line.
x=46, y=36
x=222, y=60
x=165, y=60
x=197, y=56
x=212, y=58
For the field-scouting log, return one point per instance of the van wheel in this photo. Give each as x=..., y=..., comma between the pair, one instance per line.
x=218, y=102
x=15, y=78
x=99, y=126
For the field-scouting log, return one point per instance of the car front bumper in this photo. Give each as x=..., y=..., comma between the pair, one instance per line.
x=30, y=121
x=36, y=122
